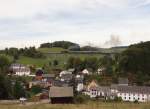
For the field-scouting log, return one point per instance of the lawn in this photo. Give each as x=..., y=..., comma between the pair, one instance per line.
x=91, y=105
x=54, y=49
x=62, y=59
x=38, y=62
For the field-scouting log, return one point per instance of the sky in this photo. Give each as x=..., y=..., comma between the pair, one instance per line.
x=102, y=23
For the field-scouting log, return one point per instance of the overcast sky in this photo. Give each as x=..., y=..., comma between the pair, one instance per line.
x=102, y=23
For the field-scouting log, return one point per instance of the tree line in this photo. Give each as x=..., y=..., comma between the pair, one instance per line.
x=10, y=87
x=135, y=62
x=69, y=45
x=29, y=52
x=62, y=44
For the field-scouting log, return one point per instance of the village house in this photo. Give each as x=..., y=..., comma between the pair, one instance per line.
x=19, y=70
x=86, y=72
x=69, y=71
x=58, y=83
x=61, y=94
x=94, y=90
x=42, y=84
x=48, y=77
x=66, y=78
x=101, y=70
x=39, y=75
x=43, y=80
x=79, y=81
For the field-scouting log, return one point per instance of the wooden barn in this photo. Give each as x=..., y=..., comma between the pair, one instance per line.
x=60, y=95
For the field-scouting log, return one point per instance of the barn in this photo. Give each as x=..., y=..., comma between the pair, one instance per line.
x=61, y=95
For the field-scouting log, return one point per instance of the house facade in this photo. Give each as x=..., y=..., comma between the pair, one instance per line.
x=69, y=71
x=134, y=93
x=86, y=72
x=101, y=70
x=20, y=70
x=79, y=82
x=94, y=90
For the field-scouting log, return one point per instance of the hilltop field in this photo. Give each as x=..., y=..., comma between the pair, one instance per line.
x=57, y=55
x=91, y=105
x=62, y=58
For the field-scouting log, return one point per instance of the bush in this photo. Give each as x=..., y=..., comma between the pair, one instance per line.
x=118, y=99
x=81, y=99
x=136, y=101
x=36, y=89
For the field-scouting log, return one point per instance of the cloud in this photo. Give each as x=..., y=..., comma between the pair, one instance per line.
x=34, y=21
x=24, y=8
x=113, y=41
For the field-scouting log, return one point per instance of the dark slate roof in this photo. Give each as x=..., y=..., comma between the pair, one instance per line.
x=48, y=75
x=123, y=81
x=19, y=68
x=79, y=79
x=61, y=91
x=104, y=88
x=59, y=83
x=22, y=70
x=67, y=76
x=134, y=89
x=101, y=88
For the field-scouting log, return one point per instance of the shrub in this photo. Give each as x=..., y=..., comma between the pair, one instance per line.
x=36, y=89
x=118, y=99
x=81, y=98
x=136, y=101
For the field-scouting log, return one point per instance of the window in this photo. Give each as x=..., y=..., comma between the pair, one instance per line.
x=129, y=98
x=125, y=98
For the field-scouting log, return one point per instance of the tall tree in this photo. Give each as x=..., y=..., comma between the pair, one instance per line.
x=4, y=64
x=19, y=90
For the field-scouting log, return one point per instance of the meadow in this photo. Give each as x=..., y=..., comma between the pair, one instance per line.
x=55, y=54
x=54, y=49
x=91, y=105
x=62, y=59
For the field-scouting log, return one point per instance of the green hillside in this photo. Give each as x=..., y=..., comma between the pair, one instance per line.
x=32, y=61
x=62, y=59
x=54, y=49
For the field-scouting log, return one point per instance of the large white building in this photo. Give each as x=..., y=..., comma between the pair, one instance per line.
x=134, y=93
x=126, y=93
x=20, y=70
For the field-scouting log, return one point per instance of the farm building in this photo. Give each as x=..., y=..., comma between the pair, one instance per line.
x=61, y=94
x=125, y=92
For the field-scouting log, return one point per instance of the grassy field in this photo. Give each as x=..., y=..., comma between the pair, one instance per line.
x=59, y=50
x=38, y=62
x=54, y=49
x=62, y=59
x=93, y=105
